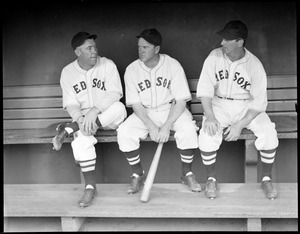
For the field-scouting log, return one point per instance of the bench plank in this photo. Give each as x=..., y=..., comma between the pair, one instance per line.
x=26, y=124
x=32, y=103
x=234, y=201
x=35, y=113
x=285, y=125
x=28, y=91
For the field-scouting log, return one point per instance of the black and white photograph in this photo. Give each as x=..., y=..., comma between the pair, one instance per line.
x=163, y=116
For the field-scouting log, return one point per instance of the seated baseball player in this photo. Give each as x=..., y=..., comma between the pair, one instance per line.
x=152, y=82
x=233, y=91
x=92, y=90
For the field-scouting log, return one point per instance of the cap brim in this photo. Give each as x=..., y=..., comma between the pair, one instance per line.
x=93, y=36
x=226, y=35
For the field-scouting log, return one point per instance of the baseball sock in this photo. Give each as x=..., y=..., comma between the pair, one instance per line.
x=209, y=161
x=98, y=122
x=186, y=157
x=72, y=127
x=134, y=161
x=90, y=178
x=267, y=159
x=88, y=171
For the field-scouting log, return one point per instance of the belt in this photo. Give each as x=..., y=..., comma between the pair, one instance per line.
x=227, y=98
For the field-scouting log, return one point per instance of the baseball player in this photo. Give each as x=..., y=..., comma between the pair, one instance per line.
x=91, y=89
x=233, y=91
x=152, y=82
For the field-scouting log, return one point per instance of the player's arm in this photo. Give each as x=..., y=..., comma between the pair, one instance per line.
x=175, y=112
x=257, y=105
x=211, y=124
x=141, y=112
x=89, y=120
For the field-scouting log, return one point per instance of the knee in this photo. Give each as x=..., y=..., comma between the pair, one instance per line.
x=119, y=109
x=123, y=130
x=268, y=138
x=209, y=143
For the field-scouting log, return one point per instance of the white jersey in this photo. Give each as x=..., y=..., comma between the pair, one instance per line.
x=242, y=79
x=99, y=86
x=155, y=88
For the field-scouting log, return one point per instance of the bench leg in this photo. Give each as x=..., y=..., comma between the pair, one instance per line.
x=5, y=224
x=254, y=225
x=250, y=162
x=72, y=223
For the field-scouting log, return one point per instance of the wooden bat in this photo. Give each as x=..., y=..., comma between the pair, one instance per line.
x=151, y=174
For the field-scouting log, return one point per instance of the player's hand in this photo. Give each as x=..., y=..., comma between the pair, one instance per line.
x=81, y=128
x=234, y=132
x=164, y=134
x=90, y=119
x=211, y=126
x=154, y=132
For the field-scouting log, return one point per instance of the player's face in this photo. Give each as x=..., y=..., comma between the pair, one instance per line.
x=88, y=52
x=229, y=46
x=147, y=51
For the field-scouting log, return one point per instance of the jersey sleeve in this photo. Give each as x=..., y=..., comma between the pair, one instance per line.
x=258, y=90
x=70, y=102
x=179, y=85
x=207, y=81
x=114, y=91
x=131, y=92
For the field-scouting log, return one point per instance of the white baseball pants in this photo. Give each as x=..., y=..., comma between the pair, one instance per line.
x=228, y=112
x=83, y=146
x=133, y=129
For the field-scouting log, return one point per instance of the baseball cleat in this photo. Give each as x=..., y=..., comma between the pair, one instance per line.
x=87, y=198
x=211, y=189
x=136, y=183
x=190, y=181
x=269, y=190
x=58, y=140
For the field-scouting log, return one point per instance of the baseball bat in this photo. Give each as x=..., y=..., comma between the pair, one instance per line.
x=151, y=174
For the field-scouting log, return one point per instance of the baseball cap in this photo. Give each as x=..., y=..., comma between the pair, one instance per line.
x=233, y=30
x=80, y=38
x=152, y=36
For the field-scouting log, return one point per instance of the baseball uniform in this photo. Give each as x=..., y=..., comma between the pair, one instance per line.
x=234, y=88
x=100, y=87
x=155, y=89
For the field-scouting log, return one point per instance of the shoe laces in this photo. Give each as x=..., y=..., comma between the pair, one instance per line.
x=211, y=184
x=134, y=181
x=268, y=185
x=191, y=179
x=88, y=195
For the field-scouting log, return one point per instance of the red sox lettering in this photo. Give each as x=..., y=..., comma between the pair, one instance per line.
x=160, y=81
x=241, y=81
x=96, y=83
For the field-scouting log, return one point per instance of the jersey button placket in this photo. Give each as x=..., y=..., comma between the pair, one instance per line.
x=153, y=90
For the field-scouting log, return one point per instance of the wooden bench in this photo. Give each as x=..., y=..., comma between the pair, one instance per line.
x=172, y=204
x=282, y=100
x=30, y=113
x=30, y=116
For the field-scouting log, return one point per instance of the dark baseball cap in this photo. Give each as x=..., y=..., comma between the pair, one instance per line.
x=80, y=38
x=152, y=36
x=234, y=30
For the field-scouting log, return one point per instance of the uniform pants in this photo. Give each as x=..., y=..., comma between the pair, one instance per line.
x=133, y=129
x=83, y=146
x=228, y=112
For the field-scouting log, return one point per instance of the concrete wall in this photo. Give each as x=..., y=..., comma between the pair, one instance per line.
x=36, y=46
